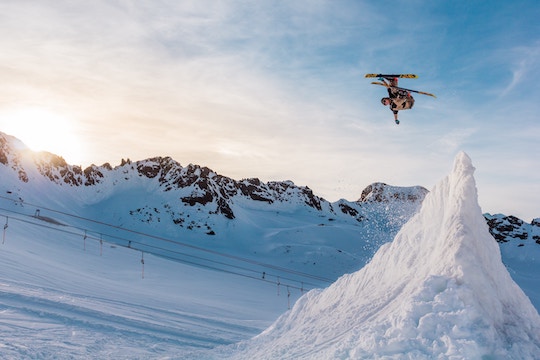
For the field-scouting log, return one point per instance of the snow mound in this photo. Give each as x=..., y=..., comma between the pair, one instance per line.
x=439, y=290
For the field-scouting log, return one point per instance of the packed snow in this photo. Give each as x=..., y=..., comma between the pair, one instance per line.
x=61, y=299
x=439, y=290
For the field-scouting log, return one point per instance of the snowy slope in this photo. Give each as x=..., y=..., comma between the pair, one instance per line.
x=439, y=290
x=60, y=300
x=520, y=248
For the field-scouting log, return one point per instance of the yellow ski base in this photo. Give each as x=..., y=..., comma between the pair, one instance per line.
x=405, y=76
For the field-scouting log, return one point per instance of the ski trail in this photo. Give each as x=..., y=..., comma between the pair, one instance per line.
x=86, y=323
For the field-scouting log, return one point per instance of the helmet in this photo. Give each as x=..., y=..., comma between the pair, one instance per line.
x=383, y=100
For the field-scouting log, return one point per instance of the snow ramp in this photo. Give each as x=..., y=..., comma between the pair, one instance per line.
x=438, y=291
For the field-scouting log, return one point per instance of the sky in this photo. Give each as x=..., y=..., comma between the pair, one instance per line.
x=276, y=89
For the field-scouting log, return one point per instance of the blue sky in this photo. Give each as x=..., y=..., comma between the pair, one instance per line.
x=275, y=89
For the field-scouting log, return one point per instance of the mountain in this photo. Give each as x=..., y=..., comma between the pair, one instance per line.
x=194, y=185
x=206, y=210
x=159, y=206
x=507, y=228
x=438, y=290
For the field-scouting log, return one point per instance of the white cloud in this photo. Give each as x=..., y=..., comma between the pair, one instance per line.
x=525, y=64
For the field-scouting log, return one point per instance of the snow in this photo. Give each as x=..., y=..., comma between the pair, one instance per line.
x=439, y=290
x=60, y=301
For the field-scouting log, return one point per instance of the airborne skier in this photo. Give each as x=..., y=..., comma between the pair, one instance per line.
x=398, y=98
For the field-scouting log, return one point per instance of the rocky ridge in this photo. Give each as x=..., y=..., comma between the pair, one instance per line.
x=205, y=186
x=510, y=228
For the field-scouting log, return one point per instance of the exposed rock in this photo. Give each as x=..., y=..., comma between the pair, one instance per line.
x=505, y=228
x=381, y=192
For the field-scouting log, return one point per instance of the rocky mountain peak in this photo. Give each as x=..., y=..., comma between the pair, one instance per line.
x=506, y=228
x=381, y=192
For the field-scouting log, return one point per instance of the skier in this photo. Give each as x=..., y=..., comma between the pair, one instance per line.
x=398, y=99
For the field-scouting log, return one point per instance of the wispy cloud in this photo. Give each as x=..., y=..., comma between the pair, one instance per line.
x=525, y=62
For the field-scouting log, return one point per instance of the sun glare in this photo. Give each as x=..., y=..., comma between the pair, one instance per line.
x=44, y=130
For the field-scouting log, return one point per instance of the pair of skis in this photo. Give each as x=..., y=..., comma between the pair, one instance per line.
x=391, y=76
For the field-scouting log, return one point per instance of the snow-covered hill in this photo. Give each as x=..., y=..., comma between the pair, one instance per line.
x=439, y=290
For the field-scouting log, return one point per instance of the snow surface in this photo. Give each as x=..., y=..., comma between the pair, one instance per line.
x=439, y=290
x=59, y=301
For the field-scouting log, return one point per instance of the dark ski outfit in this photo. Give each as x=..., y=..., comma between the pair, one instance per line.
x=399, y=99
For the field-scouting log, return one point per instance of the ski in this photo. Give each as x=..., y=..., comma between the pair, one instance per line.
x=400, y=88
x=386, y=76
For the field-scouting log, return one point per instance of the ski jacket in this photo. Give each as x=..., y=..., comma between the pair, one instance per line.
x=401, y=103
x=400, y=100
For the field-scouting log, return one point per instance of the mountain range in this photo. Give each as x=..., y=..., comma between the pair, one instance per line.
x=204, y=209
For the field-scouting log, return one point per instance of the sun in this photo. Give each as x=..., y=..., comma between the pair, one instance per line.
x=42, y=129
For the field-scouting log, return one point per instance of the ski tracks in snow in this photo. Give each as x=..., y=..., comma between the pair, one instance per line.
x=33, y=319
